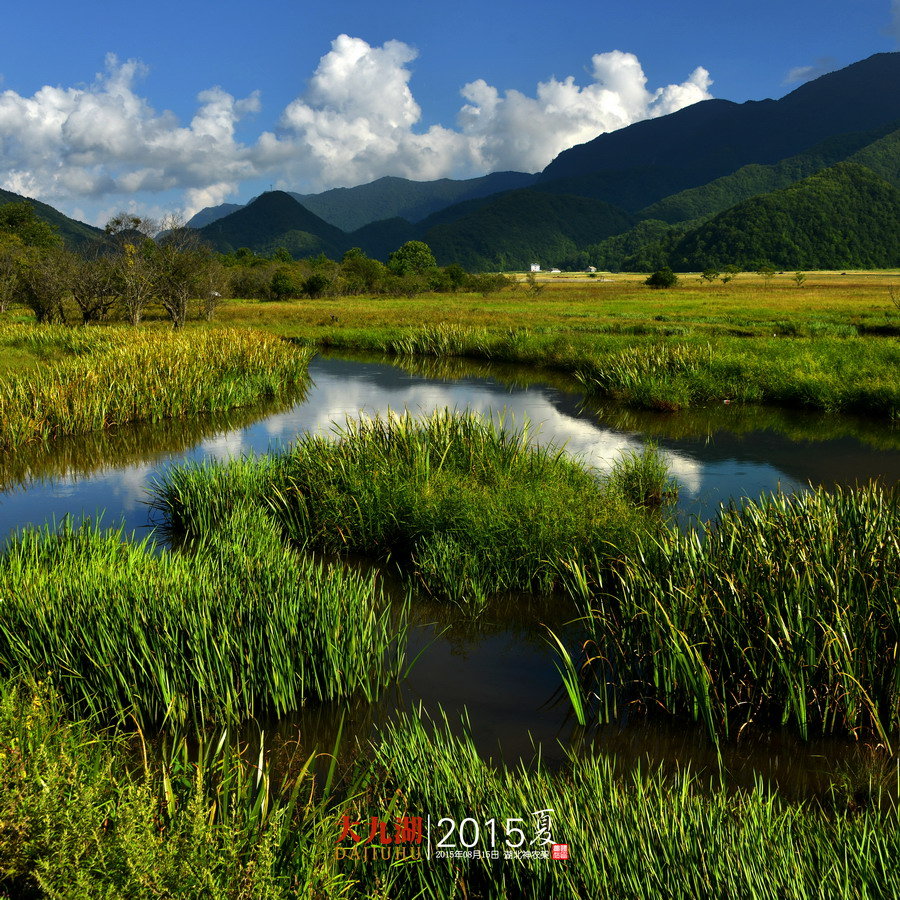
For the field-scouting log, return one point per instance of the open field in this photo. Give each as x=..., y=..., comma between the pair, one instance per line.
x=749, y=305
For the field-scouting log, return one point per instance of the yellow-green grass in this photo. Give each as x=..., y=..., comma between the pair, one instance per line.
x=749, y=304
x=85, y=814
x=97, y=378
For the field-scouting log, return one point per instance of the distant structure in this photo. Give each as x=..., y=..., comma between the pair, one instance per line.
x=555, y=272
x=592, y=268
x=535, y=267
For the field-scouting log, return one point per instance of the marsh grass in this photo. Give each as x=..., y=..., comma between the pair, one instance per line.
x=642, y=835
x=112, y=376
x=240, y=627
x=783, y=611
x=87, y=812
x=463, y=507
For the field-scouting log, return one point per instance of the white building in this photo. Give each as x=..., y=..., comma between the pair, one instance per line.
x=535, y=267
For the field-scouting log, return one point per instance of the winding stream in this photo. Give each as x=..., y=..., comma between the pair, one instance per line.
x=499, y=668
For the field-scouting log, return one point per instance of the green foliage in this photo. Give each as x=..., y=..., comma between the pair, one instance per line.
x=462, y=507
x=644, y=248
x=750, y=181
x=513, y=230
x=781, y=611
x=644, y=478
x=126, y=632
x=22, y=221
x=662, y=278
x=413, y=258
x=842, y=217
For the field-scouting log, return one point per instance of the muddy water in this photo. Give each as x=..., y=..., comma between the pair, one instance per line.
x=499, y=668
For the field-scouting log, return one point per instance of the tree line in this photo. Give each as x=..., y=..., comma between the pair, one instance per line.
x=138, y=263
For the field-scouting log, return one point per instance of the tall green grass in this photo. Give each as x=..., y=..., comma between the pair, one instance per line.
x=463, y=507
x=668, y=373
x=641, y=835
x=85, y=813
x=784, y=611
x=112, y=376
x=240, y=627
x=90, y=813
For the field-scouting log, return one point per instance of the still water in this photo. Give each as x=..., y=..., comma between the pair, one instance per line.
x=498, y=668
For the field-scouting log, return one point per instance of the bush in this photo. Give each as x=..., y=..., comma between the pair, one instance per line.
x=662, y=278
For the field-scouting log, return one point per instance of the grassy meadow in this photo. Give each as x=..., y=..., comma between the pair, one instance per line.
x=829, y=344
x=126, y=667
x=93, y=378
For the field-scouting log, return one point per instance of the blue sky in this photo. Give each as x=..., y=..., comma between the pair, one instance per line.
x=178, y=105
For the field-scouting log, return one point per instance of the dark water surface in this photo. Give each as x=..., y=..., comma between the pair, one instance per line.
x=499, y=668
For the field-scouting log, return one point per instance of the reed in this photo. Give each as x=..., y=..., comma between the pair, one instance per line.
x=97, y=813
x=644, y=834
x=784, y=611
x=241, y=627
x=111, y=376
x=649, y=370
x=86, y=812
x=463, y=507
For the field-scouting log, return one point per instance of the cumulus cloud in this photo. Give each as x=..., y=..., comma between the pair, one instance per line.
x=105, y=139
x=357, y=120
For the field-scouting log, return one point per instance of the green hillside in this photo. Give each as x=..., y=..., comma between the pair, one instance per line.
x=842, y=217
x=387, y=198
x=653, y=159
x=748, y=181
x=275, y=220
x=76, y=235
x=521, y=227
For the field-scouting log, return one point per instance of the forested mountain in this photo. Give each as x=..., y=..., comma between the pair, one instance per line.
x=807, y=181
x=515, y=229
x=713, y=138
x=76, y=234
x=879, y=147
x=273, y=220
x=842, y=217
x=389, y=198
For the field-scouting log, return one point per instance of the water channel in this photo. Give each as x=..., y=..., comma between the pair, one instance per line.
x=498, y=668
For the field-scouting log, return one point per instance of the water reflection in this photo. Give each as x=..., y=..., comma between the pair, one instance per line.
x=499, y=667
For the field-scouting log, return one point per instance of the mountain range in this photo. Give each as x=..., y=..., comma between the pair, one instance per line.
x=810, y=180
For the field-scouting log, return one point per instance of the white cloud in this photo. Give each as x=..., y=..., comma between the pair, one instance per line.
x=894, y=28
x=105, y=139
x=514, y=131
x=357, y=119
x=97, y=146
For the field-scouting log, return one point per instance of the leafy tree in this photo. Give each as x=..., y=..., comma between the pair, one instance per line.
x=180, y=263
x=413, y=258
x=47, y=284
x=799, y=277
x=20, y=220
x=710, y=274
x=12, y=259
x=662, y=278
x=283, y=285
